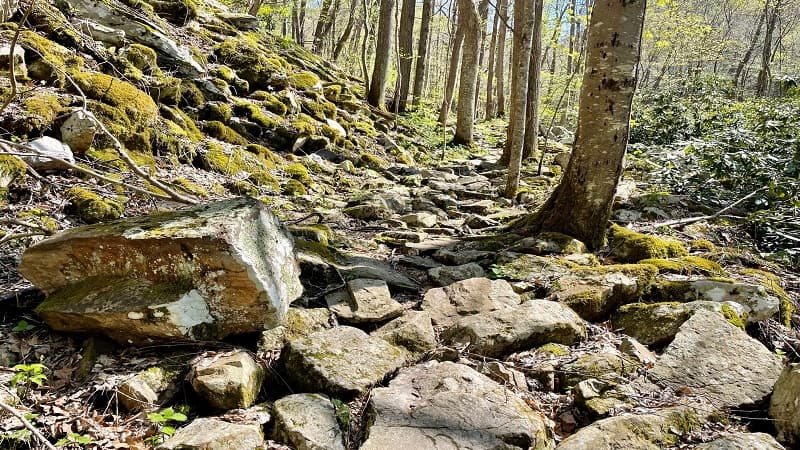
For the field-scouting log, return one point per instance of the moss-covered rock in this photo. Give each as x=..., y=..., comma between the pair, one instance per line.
x=92, y=208
x=630, y=246
x=773, y=285
x=189, y=187
x=270, y=102
x=603, y=365
x=235, y=161
x=757, y=301
x=46, y=60
x=143, y=58
x=687, y=265
x=223, y=132
x=139, y=107
x=298, y=172
x=219, y=111
x=254, y=113
x=12, y=171
x=251, y=62
x=294, y=187
x=304, y=80
x=191, y=95
x=176, y=12
x=651, y=323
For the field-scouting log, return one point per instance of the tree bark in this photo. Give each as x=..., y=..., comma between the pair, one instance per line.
x=491, y=66
x=452, y=71
x=322, y=24
x=348, y=29
x=500, y=61
x=523, y=34
x=405, y=45
x=737, y=77
x=422, y=52
x=298, y=22
x=764, y=75
x=534, y=84
x=383, y=53
x=581, y=204
x=471, y=14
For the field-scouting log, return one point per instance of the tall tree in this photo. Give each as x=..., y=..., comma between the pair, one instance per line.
x=772, y=11
x=405, y=45
x=534, y=84
x=322, y=25
x=491, y=66
x=383, y=52
x=452, y=70
x=299, y=21
x=500, y=59
x=737, y=77
x=348, y=30
x=472, y=17
x=422, y=51
x=581, y=204
x=523, y=34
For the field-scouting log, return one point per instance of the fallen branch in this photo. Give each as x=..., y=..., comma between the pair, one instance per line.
x=11, y=63
x=38, y=434
x=690, y=220
x=29, y=225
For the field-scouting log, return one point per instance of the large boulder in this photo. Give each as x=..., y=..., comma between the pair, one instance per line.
x=507, y=330
x=757, y=301
x=706, y=357
x=451, y=406
x=307, y=422
x=210, y=433
x=742, y=441
x=467, y=297
x=412, y=331
x=341, y=361
x=366, y=300
x=783, y=404
x=204, y=273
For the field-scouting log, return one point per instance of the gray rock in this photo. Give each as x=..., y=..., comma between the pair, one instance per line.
x=759, y=304
x=477, y=222
x=447, y=275
x=102, y=33
x=78, y=130
x=599, y=397
x=20, y=69
x=207, y=272
x=46, y=149
x=508, y=377
x=706, y=357
x=307, y=422
x=783, y=404
x=412, y=331
x=507, y=330
x=375, y=209
x=299, y=322
x=604, y=365
x=634, y=432
x=450, y=406
x=242, y=22
x=743, y=441
x=549, y=243
x=477, y=295
x=208, y=433
x=420, y=219
x=227, y=381
x=458, y=258
x=148, y=388
x=341, y=361
x=366, y=300
x=140, y=30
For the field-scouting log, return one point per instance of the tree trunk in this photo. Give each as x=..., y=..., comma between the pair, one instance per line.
x=471, y=14
x=490, y=65
x=581, y=204
x=764, y=75
x=534, y=84
x=737, y=77
x=254, y=7
x=367, y=32
x=383, y=53
x=452, y=71
x=422, y=51
x=500, y=61
x=299, y=22
x=523, y=34
x=405, y=45
x=322, y=24
x=348, y=29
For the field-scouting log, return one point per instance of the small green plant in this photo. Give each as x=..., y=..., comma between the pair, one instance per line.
x=162, y=421
x=23, y=325
x=74, y=440
x=496, y=272
x=28, y=374
x=342, y=412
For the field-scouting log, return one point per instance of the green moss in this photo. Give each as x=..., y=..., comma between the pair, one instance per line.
x=47, y=61
x=319, y=108
x=732, y=317
x=218, y=111
x=680, y=423
x=315, y=233
x=303, y=80
x=225, y=73
x=332, y=92
x=651, y=323
x=685, y=265
x=255, y=114
x=12, y=171
x=92, y=208
x=250, y=60
x=270, y=159
x=190, y=188
x=140, y=108
x=298, y=172
x=143, y=58
x=630, y=246
x=365, y=127
x=371, y=161
x=274, y=105
x=772, y=283
x=702, y=245
x=191, y=95
x=183, y=121
x=110, y=157
x=305, y=125
x=224, y=133
x=177, y=12
x=554, y=350
x=294, y=187
x=237, y=160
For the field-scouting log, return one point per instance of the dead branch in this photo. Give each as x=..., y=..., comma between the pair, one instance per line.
x=11, y=63
x=690, y=220
x=22, y=223
x=9, y=409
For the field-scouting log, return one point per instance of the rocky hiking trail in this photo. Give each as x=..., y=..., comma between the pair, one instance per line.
x=343, y=280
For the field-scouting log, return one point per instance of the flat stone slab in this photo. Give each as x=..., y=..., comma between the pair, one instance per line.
x=222, y=268
x=210, y=433
x=743, y=441
x=758, y=303
x=467, y=297
x=412, y=331
x=507, y=330
x=719, y=361
x=341, y=361
x=307, y=422
x=366, y=300
x=450, y=406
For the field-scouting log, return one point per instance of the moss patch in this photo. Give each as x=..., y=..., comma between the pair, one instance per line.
x=303, y=80
x=245, y=55
x=223, y=132
x=772, y=283
x=139, y=107
x=686, y=265
x=218, y=111
x=143, y=58
x=235, y=161
x=630, y=246
x=294, y=187
x=92, y=208
x=190, y=188
x=298, y=172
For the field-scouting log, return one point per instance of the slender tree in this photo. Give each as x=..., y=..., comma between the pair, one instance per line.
x=491, y=67
x=772, y=11
x=348, y=30
x=534, y=84
x=405, y=45
x=452, y=71
x=737, y=77
x=422, y=51
x=472, y=16
x=500, y=59
x=383, y=53
x=581, y=204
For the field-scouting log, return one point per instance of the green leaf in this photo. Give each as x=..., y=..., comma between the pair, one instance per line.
x=23, y=325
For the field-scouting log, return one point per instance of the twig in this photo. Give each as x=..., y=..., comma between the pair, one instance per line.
x=22, y=223
x=12, y=237
x=90, y=172
x=27, y=425
x=689, y=220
